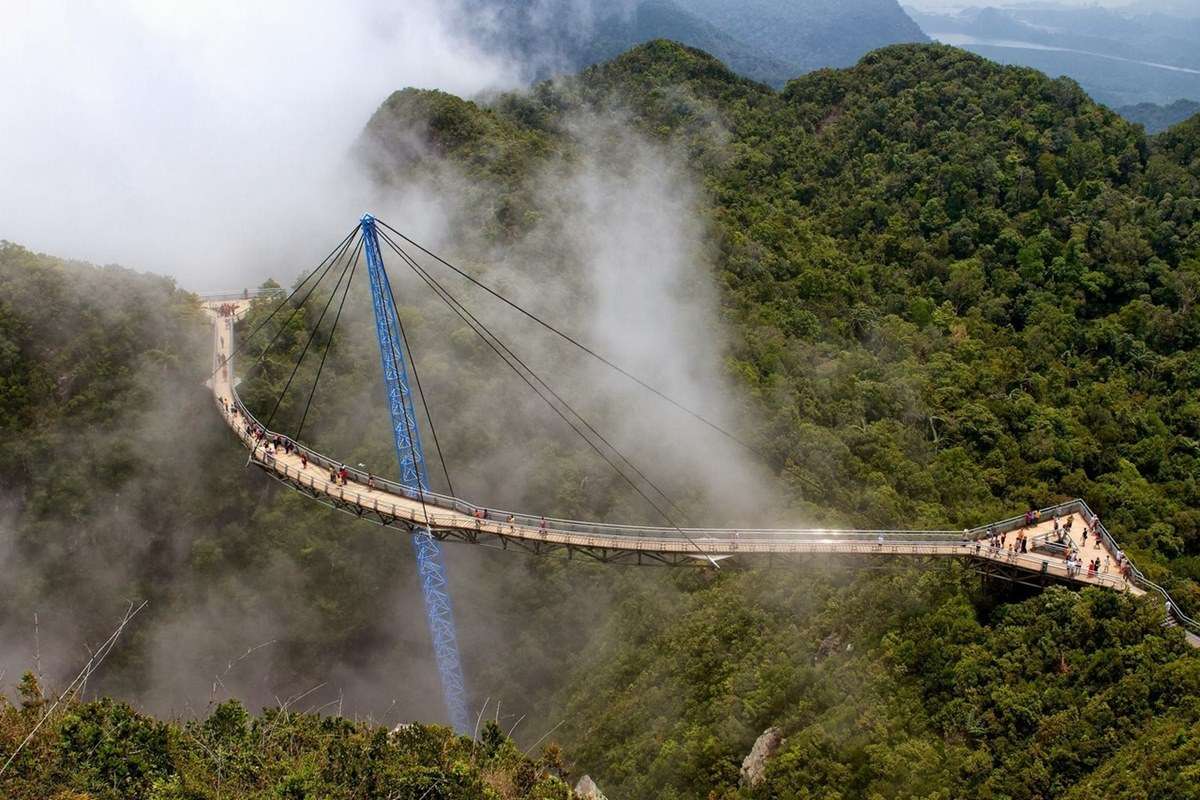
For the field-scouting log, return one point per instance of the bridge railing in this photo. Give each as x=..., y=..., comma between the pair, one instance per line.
x=243, y=294
x=1137, y=577
x=972, y=541
x=965, y=537
x=495, y=514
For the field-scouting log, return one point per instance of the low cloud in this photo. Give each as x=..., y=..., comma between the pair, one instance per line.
x=207, y=141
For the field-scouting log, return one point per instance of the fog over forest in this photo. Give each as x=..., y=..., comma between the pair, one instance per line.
x=924, y=291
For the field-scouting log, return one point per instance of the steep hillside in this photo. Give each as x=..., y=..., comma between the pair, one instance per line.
x=955, y=289
x=118, y=484
x=964, y=240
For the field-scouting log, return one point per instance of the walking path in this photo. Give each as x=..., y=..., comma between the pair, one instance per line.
x=388, y=503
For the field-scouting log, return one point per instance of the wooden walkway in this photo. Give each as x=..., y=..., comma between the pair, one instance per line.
x=450, y=518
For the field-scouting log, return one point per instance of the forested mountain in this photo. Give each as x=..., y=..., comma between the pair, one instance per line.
x=767, y=40
x=941, y=291
x=1156, y=118
x=811, y=34
x=548, y=41
x=955, y=289
x=1121, y=56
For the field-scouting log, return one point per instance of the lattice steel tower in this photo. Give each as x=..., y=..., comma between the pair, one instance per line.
x=406, y=434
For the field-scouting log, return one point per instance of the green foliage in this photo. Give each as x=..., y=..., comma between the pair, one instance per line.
x=953, y=290
x=933, y=697
x=107, y=751
x=957, y=290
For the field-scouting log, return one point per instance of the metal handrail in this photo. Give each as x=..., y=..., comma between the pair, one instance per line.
x=1137, y=577
x=494, y=514
x=245, y=294
x=966, y=537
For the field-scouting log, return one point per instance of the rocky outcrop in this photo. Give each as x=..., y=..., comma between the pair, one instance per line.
x=587, y=789
x=754, y=767
x=829, y=645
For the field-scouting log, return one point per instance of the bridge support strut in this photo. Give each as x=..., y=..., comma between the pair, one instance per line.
x=406, y=434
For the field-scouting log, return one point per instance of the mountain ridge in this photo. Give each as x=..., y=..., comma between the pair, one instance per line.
x=950, y=289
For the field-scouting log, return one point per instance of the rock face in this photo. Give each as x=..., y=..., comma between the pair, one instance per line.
x=827, y=647
x=587, y=789
x=754, y=767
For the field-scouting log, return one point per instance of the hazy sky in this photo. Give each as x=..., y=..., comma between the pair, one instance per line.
x=205, y=140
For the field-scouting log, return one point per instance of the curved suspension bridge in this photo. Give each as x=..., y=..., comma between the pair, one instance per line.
x=411, y=506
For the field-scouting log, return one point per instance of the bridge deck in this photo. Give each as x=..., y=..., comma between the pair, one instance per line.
x=450, y=518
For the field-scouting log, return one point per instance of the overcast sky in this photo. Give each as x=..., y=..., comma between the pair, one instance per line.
x=205, y=140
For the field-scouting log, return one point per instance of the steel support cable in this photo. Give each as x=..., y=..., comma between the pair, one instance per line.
x=421, y=271
x=412, y=358
x=484, y=333
x=295, y=291
x=308, y=343
x=328, y=344
x=659, y=393
x=279, y=332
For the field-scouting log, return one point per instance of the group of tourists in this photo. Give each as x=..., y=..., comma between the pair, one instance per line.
x=226, y=310
x=482, y=514
x=339, y=475
x=998, y=540
x=1062, y=531
x=1075, y=565
x=1062, y=534
x=274, y=445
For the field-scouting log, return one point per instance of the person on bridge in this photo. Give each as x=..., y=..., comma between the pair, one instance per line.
x=342, y=475
x=303, y=460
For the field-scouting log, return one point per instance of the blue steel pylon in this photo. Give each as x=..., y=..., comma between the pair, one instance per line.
x=414, y=475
